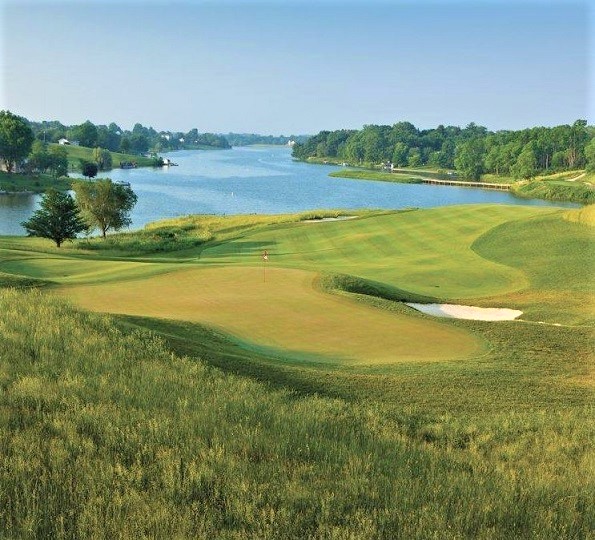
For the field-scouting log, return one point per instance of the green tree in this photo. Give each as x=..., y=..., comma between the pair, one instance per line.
x=88, y=168
x=39, y=158
x=107, y=138
x=105, y=205
x=526, y=164
x=578, y=138
x=590, y=155
x=400, y=154
x=16, y=139
x=371, y=140
x=58, y=218
x=414, y=157
x=58, y=161
x=86, y=134
x=404, y=132
x=447, y=154
x=103, y=158
x=469, y=158
x=354, y=149
x=139, y=143
x=125, y=145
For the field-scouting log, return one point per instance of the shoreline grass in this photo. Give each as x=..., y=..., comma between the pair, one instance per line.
x=376, y=175
x=555, y=190
x=35, y=183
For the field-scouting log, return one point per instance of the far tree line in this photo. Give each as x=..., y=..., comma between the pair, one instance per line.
x=112, y=137
x=471, y=151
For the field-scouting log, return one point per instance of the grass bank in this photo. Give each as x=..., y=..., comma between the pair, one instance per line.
x=76, y=153
x=376, y=175
x=555, y=190
x=555, y=187
x=104, y=429
x=36, y=183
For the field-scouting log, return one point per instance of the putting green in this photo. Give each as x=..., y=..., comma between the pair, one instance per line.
x=285, y=312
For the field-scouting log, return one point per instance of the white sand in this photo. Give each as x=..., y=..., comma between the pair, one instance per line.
x=454, y=311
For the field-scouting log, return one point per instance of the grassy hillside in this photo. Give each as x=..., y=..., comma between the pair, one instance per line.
x=556, y=190
x=120, y=436
x=236, y=418
x=76, y=153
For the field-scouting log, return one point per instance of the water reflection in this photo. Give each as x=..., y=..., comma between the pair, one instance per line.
x=13, y=210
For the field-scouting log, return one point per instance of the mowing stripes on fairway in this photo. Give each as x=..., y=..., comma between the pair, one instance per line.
x=285, y=313
x=426, y=252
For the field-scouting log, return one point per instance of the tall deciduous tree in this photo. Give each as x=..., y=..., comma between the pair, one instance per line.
x=469, y=158
x=59, y=161
x=125, y=145
x=105, y=205
x=590, y=155
x=39, y=158
x=58, y=218
x=86, y=134
x=16, y=139
x=103, y=158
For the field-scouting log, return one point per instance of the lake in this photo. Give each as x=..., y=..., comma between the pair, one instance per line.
x=258, y=180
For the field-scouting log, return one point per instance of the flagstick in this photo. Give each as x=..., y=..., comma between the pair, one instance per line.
x=265, y=258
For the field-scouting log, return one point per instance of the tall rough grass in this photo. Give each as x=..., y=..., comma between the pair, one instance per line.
x=105, y=434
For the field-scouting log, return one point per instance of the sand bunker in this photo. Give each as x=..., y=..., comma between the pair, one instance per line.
x=454, y=311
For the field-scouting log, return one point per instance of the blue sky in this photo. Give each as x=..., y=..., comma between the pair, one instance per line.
x=298, y=66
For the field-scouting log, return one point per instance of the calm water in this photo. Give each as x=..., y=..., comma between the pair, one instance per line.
x=262, y=180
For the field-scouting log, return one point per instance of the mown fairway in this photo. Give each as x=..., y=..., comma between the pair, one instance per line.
x=373, y=421
x=426, y=252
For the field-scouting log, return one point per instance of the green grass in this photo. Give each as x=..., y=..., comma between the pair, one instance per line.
x=76, y=153
x=38, y=183
x=376, y=175
x=179, y=236
x=120, y=436
x=555, y=190
x=281, y=311
x=424, y=251
x=190, y=431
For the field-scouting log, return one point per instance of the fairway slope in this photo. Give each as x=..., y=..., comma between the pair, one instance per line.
x=558, y=258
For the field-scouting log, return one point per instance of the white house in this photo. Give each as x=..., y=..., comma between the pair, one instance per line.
x=63, y=141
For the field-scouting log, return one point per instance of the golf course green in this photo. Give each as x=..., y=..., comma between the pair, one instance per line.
x=221, y=394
